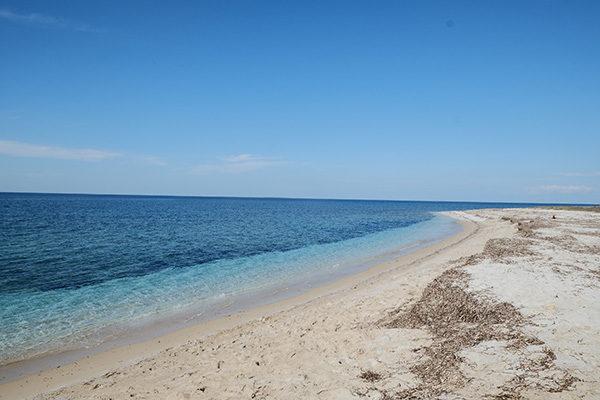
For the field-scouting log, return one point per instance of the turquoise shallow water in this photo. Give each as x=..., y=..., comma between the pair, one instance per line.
x=77, y=270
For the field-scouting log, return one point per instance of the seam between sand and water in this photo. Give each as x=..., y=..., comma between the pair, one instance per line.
x=131, y=353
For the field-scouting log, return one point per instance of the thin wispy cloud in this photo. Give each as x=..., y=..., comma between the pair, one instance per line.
x=563, y=189
x=48, y=21
x=577, y=174
x=35, y=175
x=150, y=160
x=242, y=158
x=238, y=164
x=20, y=149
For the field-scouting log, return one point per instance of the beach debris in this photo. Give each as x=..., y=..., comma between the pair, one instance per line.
x=499, y=250
x=370, y=376
x=459, y=318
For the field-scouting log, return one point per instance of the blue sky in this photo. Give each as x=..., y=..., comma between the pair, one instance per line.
x=408, y=100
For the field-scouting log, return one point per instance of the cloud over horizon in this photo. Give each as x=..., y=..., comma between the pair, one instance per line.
x=577, y=174
x=563, y=189
x=21, y=149
x=237, y=164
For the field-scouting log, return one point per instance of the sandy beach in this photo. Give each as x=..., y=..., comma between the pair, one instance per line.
x=507, y=309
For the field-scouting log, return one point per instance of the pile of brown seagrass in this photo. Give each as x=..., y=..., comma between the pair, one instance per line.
x=458, y=318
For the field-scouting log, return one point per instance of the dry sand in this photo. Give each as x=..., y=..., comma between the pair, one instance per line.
x=508, y=309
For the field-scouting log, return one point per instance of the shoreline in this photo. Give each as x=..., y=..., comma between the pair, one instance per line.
x=83, y=363
x=271, y=293
x=505, y=309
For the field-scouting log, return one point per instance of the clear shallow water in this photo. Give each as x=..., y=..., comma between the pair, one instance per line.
x=76, y=270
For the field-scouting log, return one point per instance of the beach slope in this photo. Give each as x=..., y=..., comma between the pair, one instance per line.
x=507, y=309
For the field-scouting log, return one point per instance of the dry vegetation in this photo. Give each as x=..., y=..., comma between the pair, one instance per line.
x=573, y=208
x=370, y=376
x=458, y=318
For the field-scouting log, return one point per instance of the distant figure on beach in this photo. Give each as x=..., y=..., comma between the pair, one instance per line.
x=554, y=217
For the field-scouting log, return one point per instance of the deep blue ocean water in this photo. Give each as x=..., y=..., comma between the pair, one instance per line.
x=76, y=270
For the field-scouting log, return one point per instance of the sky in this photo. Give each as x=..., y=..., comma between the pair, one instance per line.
x=494, y=100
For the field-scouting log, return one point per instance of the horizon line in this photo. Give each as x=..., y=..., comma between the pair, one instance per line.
x=292, y=198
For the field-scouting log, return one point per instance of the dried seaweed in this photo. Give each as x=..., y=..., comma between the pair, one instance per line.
x=470, y=260
x=446, y=309
x=499, y=249
x=528, y=228
x=457, y=319
x=573, y=208
x=520, y=340
x=370, y=376
x=519, y=383
x=570, y=243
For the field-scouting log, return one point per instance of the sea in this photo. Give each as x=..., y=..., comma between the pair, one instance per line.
x=77, y=271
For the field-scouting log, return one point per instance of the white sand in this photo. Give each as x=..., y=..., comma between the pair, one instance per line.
x=335, y=342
